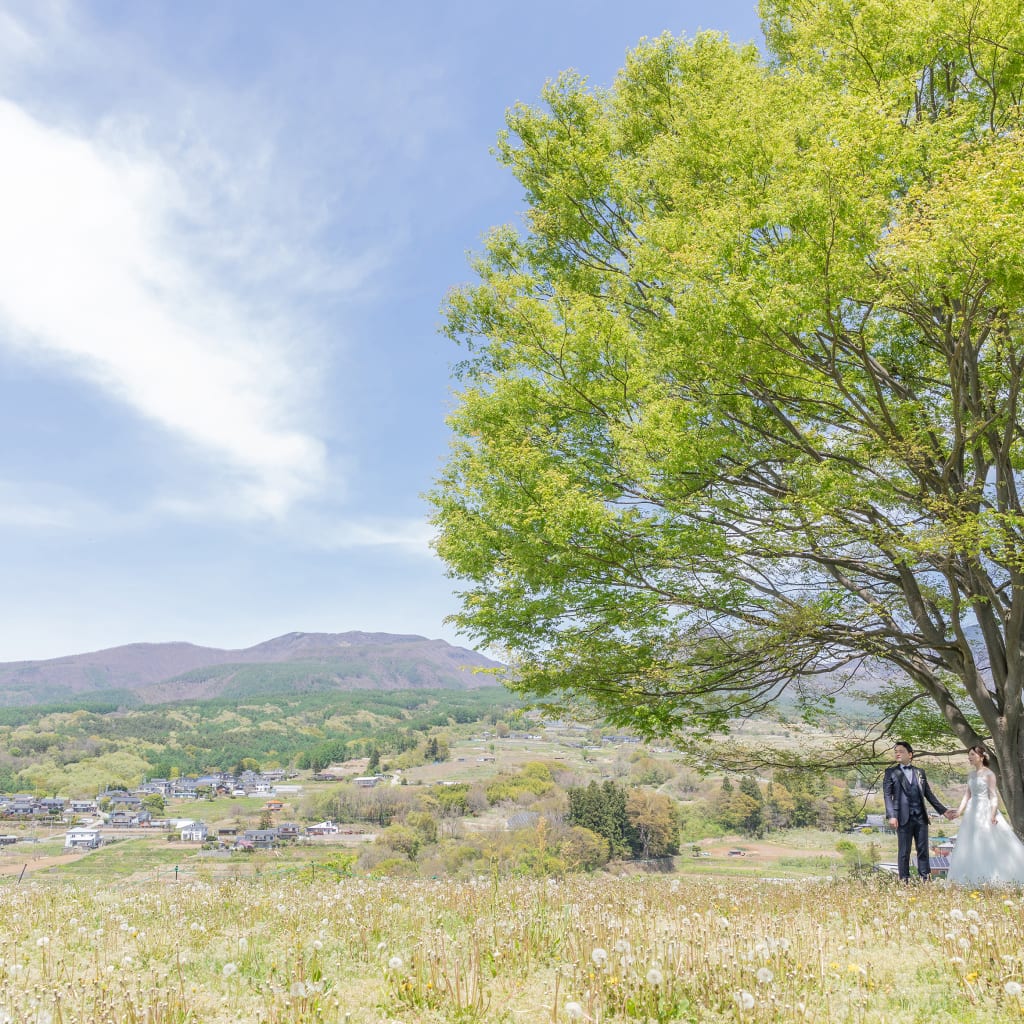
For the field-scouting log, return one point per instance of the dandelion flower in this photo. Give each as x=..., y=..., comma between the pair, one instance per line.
x=745, y=1000
x=395, y=963
x=1013, y=988
x=654, y=976
x=574, y=1011
x=764, y=975
x=228, y=969
x=599, y=956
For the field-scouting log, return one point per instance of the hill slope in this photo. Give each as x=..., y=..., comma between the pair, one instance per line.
x=155, y=673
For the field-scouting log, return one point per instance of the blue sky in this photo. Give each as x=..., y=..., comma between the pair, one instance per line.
x=228, y=228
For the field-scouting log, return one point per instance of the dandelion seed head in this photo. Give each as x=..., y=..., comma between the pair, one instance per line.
x=745, y=1000
x=655, y=977
x=574, y=1011
x=764, y=975
x=1013, y=989
x=395, y=963
x=228, y=969
x=599, y=956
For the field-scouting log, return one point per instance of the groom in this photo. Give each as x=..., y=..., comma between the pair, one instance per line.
x=905, y=790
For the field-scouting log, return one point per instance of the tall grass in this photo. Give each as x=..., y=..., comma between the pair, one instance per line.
x=291, y=949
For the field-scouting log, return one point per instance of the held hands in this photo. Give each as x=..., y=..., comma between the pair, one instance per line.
x=951, y=814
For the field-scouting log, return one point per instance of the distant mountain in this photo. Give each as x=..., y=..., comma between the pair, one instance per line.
x=295, y=662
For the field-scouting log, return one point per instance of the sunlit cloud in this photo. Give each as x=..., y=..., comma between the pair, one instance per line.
x=411, y=536
x=92, y=276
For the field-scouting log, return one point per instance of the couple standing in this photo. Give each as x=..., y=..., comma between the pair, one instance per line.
x=987, y=851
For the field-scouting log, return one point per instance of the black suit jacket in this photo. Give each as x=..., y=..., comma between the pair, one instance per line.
x=894, y=792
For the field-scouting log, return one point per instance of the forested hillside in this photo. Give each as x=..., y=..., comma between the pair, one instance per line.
x=79, y=748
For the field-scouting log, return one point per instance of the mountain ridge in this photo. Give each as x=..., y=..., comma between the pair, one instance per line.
x=178, y=670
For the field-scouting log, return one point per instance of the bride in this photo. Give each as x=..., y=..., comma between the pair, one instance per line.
x=987, y=850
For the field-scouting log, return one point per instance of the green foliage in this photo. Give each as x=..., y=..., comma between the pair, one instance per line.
x=534, y=779
x=654, y=821
x=401, y=838
x=742, y=401
x=602, y=809
x=452, y=800
x=583, y=850
x=74, y=749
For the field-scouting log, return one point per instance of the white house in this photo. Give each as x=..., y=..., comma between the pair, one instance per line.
x=82, y=838
x=325, y=828
x=194, y=832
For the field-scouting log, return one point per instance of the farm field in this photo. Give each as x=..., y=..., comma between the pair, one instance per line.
x=313, y=948
x=143, y=859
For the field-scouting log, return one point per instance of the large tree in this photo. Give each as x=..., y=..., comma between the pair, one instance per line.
x=741, y=402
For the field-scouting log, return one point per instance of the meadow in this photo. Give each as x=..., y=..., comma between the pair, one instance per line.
x=313, y=948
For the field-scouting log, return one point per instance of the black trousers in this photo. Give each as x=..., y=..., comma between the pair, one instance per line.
x=914, y=831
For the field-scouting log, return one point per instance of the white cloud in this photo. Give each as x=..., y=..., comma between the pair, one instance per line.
x=412, y=536
x=94, y=276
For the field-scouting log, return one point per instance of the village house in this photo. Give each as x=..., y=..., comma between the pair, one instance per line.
x=23, y=805
x=325, y=828
x=120, y=798
x=367, y=781
x=260, y=838
x=122, y=818
x=82, y=838
x=194, y=832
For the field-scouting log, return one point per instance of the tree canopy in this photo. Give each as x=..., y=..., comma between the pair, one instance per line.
x=741, y=397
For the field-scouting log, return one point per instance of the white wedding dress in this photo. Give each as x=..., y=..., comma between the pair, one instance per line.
x=986, y=853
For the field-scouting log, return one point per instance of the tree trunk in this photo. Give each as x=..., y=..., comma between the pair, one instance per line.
x=1009, y=770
